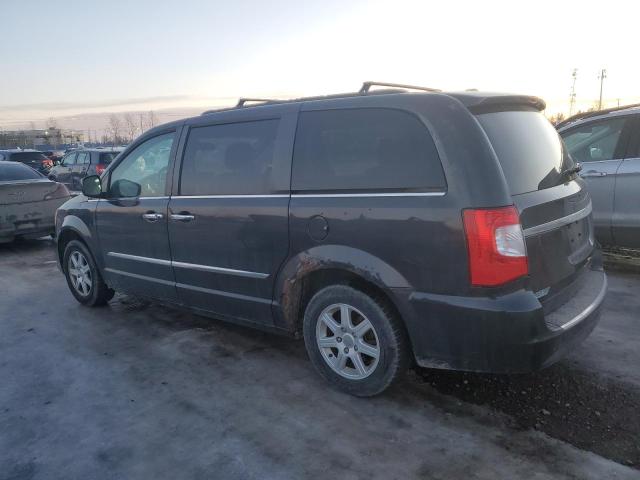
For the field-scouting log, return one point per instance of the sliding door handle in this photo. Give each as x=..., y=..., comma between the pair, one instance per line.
x=594, y=173
x=182, y=217
x=152, y=216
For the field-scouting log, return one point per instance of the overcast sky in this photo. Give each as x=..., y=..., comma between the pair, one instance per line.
x=68, y=57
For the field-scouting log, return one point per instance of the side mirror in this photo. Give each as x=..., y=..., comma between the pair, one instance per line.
x=124, y=188
x=91, y=186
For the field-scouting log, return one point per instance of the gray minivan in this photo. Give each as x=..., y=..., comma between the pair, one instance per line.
x=385, y=227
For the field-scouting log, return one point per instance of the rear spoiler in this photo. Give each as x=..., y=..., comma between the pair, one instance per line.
x=498, y=103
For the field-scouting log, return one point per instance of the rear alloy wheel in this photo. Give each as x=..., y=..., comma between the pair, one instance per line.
x=355, y=341
x=83, y=277
x=348, y=342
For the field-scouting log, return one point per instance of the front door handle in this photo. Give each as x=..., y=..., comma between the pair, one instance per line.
x=152, y=216
x=594, y=173
x=182, y=217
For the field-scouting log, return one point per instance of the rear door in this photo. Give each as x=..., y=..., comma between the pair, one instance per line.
x=626, y=210
x=228, y=225
x=555, y=209
x=600, y=146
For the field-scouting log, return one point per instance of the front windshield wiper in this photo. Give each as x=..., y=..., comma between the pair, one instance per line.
x=571, y=170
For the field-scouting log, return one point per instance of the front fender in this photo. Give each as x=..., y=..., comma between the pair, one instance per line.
x=288, y=286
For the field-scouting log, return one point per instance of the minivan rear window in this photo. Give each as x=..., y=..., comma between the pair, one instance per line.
x=529, y=149
x=366, y=149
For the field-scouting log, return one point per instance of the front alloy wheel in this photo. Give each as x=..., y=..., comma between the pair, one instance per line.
x=80, y=273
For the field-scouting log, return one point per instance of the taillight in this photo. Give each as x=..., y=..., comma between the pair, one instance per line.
x=100, y=168
x=497, y=252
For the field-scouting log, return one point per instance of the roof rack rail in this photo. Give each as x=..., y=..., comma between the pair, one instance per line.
x=595, y=113
x=366, y=86
x=243, y=100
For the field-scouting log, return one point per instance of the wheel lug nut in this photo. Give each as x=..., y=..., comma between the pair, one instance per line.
x=355, y=348
x=346, y=350
x=339, y=339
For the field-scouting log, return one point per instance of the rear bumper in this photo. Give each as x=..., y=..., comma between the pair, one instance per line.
x=504, y=334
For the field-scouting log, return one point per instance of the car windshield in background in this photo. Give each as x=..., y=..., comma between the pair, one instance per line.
x=16, y=171
x=529, y=149
x=108, y=157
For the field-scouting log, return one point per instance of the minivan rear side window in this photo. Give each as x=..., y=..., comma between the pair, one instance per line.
x=529, y=149
x=371, y=149
x=229, y=159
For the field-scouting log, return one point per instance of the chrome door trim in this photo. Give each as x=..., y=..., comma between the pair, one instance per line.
x=140, y=277
x=210, y=291
x=192, y=266
x=126, y=256
x=552, y=225
x=366, y=195
x=228, y=271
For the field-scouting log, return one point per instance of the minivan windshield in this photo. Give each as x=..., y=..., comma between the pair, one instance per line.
x=529, y=149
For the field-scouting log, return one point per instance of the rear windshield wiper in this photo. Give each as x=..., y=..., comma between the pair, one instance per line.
x=571, y=170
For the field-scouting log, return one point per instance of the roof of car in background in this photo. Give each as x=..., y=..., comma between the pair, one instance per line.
x=599, y=114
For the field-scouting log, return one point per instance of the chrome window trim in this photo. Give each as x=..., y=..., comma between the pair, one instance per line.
x=554, y=224
x=230, y=196
x=365, y=195
x=191, y=266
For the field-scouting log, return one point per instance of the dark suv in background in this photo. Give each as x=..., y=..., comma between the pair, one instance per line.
x=80, y=163
x=385, y=227
x=32, y=158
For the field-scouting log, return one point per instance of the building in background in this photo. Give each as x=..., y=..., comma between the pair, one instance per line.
x=44, y=139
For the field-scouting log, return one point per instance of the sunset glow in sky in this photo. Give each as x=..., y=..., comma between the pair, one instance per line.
x=71, y=57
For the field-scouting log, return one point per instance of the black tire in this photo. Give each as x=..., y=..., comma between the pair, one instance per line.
x=393, y=345
x=99, y=293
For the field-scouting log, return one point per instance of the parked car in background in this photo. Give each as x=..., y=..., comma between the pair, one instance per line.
x=33, y=158
x=607, y=144
x=28, y=202
x=54, y=155
x=80, y=163
x=449, y=229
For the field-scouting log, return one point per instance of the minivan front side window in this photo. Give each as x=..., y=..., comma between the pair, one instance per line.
x=146, y=166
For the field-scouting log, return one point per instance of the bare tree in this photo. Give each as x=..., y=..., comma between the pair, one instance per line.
x=52, y=123
x=130, y=126
x=114, y=128
x=152, y=119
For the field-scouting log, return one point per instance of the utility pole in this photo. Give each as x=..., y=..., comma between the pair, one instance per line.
x=602, y=76
x=572, y=95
